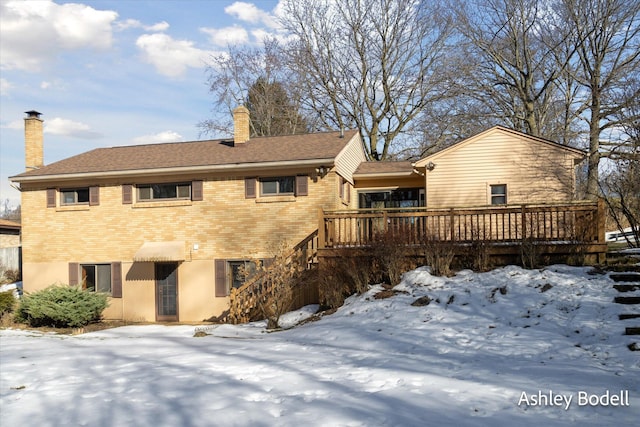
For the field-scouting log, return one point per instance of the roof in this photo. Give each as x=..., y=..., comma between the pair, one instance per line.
x=6, y=224
x=201, y=155
x=379, y=169
x=578, y=154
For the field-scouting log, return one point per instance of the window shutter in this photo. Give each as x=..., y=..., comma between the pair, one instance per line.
x=250, y=188
x=221, y=278
x=127, y=194
x=196, y=191
x=341, y=184
x=302, y=186
x=74, y=270
x=116, y=280
x=348, y=192
x=51, y=197
x=94, y=196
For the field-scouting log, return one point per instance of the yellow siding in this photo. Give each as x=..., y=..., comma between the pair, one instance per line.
x=350, y=158
x=534, y=172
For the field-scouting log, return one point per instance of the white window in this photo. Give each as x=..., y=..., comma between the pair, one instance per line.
x=499, y=194
x=277, y=186
x=74, y=196
x=164, y=191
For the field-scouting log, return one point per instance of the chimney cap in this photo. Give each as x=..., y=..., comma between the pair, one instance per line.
x=33, y=113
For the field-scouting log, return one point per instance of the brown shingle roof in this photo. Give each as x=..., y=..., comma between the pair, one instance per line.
x=324, y=145
x=366, y=168
x=6, y=224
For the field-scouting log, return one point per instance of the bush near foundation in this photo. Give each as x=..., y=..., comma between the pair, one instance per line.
x=7, y=302
x=61, y=306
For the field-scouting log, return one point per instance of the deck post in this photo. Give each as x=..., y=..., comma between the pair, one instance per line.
x=524, y=223
x=451, y=225
x=321, y=229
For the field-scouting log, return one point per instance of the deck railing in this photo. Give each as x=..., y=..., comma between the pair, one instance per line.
x=577, y=223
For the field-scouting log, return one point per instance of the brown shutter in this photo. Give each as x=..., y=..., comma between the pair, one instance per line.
x=74, y=270
x=94, y=196
x=250, y=188
x=51, y=197
x=116, y=280
x=127, y=194
x=196, y=191
x=302, y=186
x=222, y=289
x=341, y=189
x=349, y=192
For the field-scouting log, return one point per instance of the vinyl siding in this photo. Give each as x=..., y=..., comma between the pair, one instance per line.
x=534, y=172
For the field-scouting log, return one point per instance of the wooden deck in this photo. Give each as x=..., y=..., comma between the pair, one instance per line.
x=552, y=227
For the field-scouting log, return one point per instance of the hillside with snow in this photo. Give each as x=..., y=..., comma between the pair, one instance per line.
x=503, y=348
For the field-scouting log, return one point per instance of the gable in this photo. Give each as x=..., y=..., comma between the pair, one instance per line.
x=499, y=136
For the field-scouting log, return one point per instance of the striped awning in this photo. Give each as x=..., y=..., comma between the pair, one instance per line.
x=160, y=251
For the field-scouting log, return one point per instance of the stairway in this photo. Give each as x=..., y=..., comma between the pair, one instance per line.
x=628, y=285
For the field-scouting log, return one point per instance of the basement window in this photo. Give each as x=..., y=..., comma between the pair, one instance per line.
x=277, y=186
x=96, y=277
x=74, y=196
x=173, y=191
x=240, y=272
x=499, y=194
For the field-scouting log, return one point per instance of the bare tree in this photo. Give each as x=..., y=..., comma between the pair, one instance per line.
x=515, y=47
x=620, y=185
x=372, y=64
x=259, y=78
x=271, y=112
x=607, y=38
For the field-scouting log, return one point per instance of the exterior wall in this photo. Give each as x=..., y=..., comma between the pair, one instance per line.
x=9, y=240
x=224, y=225
x=350, y=158
x=534, y=173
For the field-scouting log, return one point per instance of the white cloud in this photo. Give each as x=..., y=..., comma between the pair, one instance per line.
x=66, y=127
x=34, y=32
x=248, y=12
x=134, y=23
x=5, y=86
x=227, y=36
x=15, y=125
x=45, y=85
x=165, y=136
x=171, y=57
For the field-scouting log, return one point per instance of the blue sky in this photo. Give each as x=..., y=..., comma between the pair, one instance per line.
x=106, y=73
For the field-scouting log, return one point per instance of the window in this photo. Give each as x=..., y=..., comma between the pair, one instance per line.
x=164, y=191
x=400, y=198
x=499, y=194
x=96, y=277
x=74, y=196
x=240, y=272
x=277, y=186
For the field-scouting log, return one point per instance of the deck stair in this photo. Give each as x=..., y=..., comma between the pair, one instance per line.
x=628, y=284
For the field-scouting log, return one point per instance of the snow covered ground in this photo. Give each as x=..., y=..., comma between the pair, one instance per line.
x=480, y=354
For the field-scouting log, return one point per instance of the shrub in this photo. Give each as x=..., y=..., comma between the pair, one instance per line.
x=61, y=306
x=343, y=276
x=7, y=302
x=439, y=255
x=390, y=251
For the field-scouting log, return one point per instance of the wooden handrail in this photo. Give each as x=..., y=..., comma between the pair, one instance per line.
x=245, y=298
x=577, y=222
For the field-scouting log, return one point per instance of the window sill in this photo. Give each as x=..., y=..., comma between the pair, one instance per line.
x=165, y=204
x=276, y=199
x=72, y=208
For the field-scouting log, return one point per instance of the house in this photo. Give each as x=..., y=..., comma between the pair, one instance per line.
x=166, y=229
x=9, y=234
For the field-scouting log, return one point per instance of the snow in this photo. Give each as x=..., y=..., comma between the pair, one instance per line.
x=466, y=359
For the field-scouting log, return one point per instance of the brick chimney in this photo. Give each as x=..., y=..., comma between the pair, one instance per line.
x=33, y=140
x=240, y=125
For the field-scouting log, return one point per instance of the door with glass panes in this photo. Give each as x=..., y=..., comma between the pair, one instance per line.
x=166, y=292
